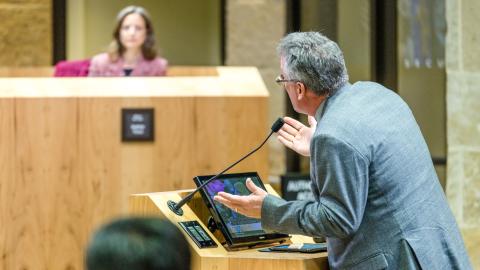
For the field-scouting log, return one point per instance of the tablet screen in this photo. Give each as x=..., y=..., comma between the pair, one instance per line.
x=237, y=224
x=237, y=228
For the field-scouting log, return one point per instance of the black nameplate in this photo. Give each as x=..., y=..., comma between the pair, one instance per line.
x=296, y=187
x=138, y=125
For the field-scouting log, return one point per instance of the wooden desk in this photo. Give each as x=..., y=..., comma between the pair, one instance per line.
x=219, y=258
x=64, y=169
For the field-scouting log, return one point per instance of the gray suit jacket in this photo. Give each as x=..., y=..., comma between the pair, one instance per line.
x=378, y=199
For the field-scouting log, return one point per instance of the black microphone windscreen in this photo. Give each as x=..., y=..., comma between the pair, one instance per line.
x=278, y=125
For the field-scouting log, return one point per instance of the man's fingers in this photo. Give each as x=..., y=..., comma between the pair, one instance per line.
x=287, y=136
x=222, y=200
x=251, y=186
x=225, y=202
x=285, y=142
x=234, y=199
x=288, y=129
x=292, y=122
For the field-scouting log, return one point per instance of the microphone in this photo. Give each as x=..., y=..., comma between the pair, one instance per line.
x=177, y=207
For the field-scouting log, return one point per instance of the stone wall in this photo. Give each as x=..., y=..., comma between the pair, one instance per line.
x=463, y=119
x=25, y=33
x=253, y=28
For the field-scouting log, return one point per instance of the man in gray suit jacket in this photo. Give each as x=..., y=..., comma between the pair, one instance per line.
x=378, y=200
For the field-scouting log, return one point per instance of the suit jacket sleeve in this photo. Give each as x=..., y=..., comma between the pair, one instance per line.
x=342, y=180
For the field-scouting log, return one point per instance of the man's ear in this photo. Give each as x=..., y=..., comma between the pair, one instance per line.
x=300, y=90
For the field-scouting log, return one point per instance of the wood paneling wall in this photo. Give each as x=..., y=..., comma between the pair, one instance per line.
x=64, y=170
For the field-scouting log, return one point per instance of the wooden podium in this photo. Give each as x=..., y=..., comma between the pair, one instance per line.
x=155, y=204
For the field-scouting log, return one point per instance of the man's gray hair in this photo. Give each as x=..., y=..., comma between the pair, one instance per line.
x=314, y=60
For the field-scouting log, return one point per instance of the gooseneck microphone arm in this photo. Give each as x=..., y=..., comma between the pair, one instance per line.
x=176, y=207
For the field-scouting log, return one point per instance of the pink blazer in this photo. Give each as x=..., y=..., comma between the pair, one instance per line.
x=102, y=66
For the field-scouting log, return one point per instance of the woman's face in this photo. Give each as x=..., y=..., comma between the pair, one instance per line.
x=133, y=31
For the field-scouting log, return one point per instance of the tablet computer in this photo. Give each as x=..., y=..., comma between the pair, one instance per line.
x=303, y=248
x=238, y=229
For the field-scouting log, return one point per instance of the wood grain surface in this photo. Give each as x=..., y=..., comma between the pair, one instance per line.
x=64, y=170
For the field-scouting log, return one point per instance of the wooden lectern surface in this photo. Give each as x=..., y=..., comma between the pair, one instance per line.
x=64, y=169
x=220, y=258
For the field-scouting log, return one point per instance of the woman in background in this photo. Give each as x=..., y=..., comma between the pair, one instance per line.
x=132, y=51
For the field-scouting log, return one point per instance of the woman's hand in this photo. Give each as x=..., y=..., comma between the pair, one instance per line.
x=296, y=135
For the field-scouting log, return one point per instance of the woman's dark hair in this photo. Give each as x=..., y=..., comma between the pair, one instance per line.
x=116, y=48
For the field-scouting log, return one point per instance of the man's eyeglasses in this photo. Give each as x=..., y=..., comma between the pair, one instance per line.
x=280, y=80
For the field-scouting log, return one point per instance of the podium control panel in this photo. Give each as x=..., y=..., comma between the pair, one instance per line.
x=197, y=234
